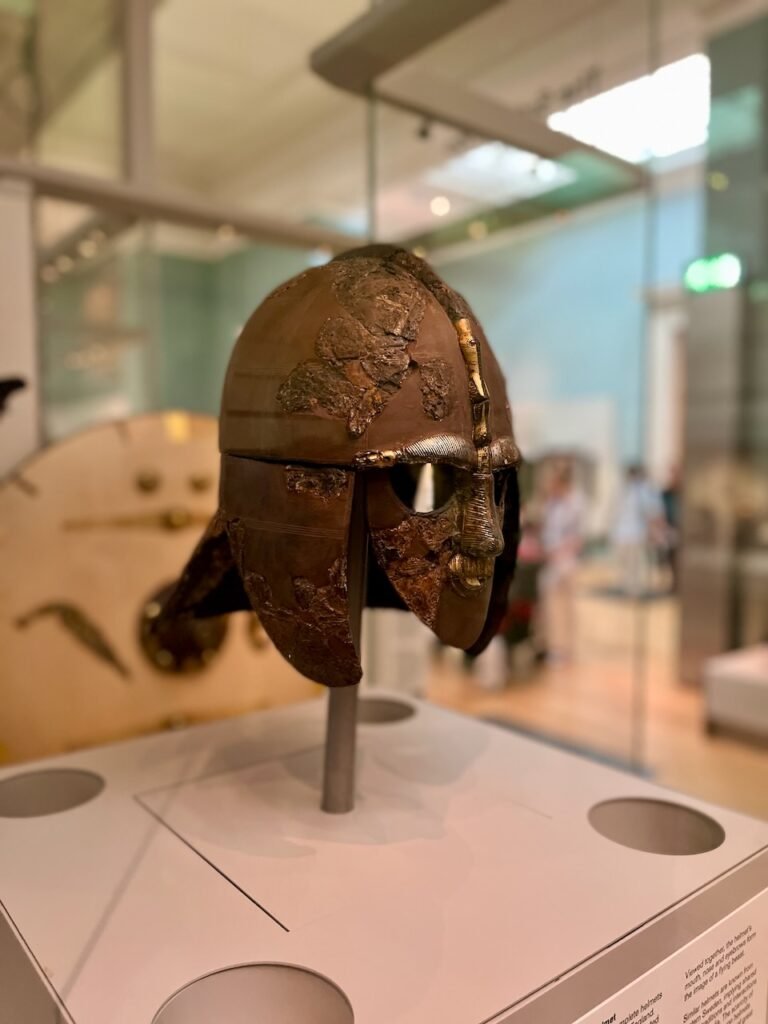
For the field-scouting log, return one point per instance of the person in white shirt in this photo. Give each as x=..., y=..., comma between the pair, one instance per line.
x=638, y=524
x=562, y=538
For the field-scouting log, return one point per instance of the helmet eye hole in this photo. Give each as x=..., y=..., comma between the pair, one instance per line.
x=424, y=487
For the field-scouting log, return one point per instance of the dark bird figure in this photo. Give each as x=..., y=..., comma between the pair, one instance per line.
x=7, y=387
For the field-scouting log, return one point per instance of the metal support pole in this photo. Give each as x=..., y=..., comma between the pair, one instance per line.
x=341, y=723
x=340, y=742
x=137, y=91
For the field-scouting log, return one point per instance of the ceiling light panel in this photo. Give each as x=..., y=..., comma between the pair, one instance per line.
x=656, y=115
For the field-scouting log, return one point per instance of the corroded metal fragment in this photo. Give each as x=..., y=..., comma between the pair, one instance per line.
x=387, y=366
x=454, y=304
x=317, y=384
x=342, y=338
x=362, y=357
x=315, y=630
x=436, y=388
x=371, y=404
x=416, y=555
x=384, y=300
x=319, y=483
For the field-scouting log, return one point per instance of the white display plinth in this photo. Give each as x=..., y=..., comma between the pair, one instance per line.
x=736, y=691
x=467, y=886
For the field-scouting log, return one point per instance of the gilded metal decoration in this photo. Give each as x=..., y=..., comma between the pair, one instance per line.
x=343, y=385
x=147, y=481
x=78, y=623
x=177, y=517
x=436, y=388
x=478, y=393
x=320, y=483
x=201, y=482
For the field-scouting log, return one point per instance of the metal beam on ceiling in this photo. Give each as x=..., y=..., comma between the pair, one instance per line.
x=171, y=207
x=387, y=35
x=135, y=195
x=382, y=40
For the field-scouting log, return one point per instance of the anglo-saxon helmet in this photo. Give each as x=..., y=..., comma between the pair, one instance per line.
x=345, y=383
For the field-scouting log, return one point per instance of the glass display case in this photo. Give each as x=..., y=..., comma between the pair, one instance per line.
x=561, y=172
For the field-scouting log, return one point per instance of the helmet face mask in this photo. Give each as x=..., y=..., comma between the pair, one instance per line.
x=441, y=563
x=346, y=383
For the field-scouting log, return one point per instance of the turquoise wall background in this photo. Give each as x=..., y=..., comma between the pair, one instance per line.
x=203, y=306
x=564, y=306
x=171, y=326
x=186, y=342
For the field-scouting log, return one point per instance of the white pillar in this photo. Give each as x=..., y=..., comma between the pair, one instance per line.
x=20, y=429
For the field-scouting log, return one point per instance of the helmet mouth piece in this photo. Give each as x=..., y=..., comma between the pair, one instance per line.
x=470, y=575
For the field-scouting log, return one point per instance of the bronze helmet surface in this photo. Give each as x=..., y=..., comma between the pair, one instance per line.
x=345, y=382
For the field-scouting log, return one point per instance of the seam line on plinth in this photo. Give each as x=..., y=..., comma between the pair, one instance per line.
x=210, y=864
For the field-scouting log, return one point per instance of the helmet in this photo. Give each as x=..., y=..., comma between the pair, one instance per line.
x=346, y=382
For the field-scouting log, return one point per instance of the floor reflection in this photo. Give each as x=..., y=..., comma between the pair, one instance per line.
x=588, y=702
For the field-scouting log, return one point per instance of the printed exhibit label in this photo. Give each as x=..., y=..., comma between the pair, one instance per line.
x=721, y=977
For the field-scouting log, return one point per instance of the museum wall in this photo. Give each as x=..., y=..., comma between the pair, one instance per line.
x=242, y=280
x=178, y=316
x=553, y=352
x=575, y=330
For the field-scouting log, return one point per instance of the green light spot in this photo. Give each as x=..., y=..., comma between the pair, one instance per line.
x=714, y=273
x=697, y=276
x=726, y=271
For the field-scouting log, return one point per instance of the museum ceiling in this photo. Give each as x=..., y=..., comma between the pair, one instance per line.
x=241, y=119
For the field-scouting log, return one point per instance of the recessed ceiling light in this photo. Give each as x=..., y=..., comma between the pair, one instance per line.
x=656, y=115
x=87, y=248
x=440, y=206
x=495, y=174
x=420, y=251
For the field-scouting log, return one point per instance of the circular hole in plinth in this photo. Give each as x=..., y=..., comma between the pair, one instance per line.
x=48, y=791
x=656, y=826
x=376, y=710
x=274, y=993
